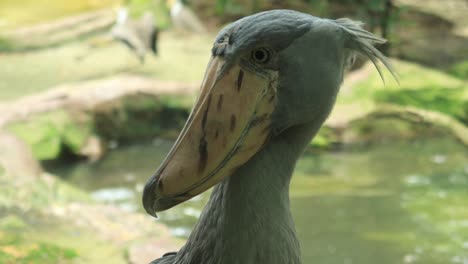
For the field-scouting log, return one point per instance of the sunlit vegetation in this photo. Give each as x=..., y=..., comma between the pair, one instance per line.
x=16, y=249
x=159, y=8
x=38, y=194
x=41, y=241
x=5, y=44
x=37, y=237
x=460, y=70
x=19, y=242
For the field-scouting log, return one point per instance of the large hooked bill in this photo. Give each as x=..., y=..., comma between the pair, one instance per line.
x=229, y=123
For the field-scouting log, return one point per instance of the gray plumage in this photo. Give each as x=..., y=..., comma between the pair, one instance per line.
x=247, y=219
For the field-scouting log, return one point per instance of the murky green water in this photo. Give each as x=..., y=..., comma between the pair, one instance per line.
x=386, y=204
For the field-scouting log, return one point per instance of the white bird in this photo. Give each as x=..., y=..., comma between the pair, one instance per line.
x=183, y=18
x=140, y=36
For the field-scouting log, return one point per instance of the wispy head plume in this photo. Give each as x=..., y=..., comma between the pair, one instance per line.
x=362, y=41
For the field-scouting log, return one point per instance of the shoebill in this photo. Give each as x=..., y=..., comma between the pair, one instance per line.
x=270, y=84
x=140, y=36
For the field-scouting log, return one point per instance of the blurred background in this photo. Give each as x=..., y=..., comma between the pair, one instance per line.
x=94, y=92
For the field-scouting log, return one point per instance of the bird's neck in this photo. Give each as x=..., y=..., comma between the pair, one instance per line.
x=248, y=219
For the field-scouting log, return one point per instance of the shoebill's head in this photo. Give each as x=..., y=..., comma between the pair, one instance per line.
x=267, y=73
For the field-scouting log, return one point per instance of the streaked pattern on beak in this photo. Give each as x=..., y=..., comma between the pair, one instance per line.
x=229, y=123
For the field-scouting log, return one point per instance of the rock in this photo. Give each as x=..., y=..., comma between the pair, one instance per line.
x=79, y=118
x=428, y=39
x=16, y=157
x=451, y=10
x=391, y=122
x=93, y=148
x=84, y=96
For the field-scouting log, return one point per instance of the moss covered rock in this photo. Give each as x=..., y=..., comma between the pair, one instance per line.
x=426, y=102
x=418, y=86
x=411, y=77
x=50, y=132
x=447, y=101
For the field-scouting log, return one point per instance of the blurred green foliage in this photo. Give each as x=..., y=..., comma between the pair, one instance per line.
x=39, y=194
x=460, y=70
x=30, y=233
x=5, y=44
x=17, y=244
x=40, y=253
x=325, y=139
x=49, y=253
x=158, y=8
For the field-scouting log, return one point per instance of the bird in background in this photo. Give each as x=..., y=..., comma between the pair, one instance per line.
x=272, y=81
x=183, y=18
x=139, y=35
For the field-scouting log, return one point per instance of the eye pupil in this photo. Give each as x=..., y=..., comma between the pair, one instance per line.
x=261, y=55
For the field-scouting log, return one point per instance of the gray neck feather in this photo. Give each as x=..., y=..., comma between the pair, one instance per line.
x=247, y=219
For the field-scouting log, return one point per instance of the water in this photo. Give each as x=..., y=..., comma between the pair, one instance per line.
x=386, y=204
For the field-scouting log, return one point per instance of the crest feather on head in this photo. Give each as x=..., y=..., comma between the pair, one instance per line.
x=362, y=41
